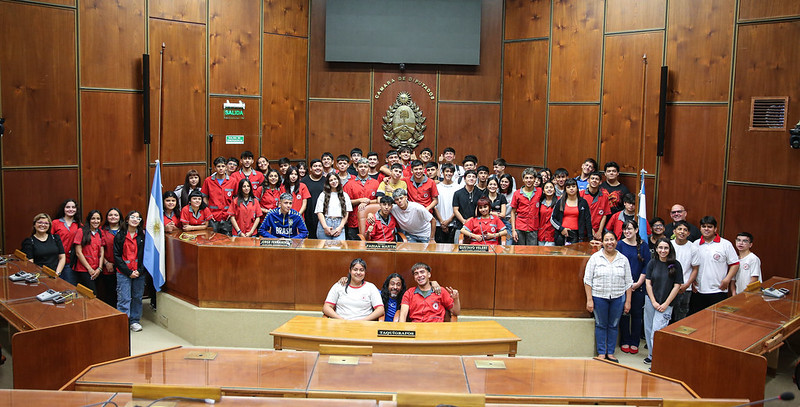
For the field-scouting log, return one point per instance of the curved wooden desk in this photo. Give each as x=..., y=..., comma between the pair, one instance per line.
x=457, y=338
x=211, y=270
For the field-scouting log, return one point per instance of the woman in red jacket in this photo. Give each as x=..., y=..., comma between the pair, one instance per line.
x=88, y=247
x=66, y=224
x=106, y=282
x=128, y=257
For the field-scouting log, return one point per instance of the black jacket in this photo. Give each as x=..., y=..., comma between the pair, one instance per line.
x=584, y=232
x=119, y=263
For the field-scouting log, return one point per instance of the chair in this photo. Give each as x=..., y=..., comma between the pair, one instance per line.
x=362, y=222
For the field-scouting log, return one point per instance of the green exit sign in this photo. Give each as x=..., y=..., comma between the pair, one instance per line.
x=234, y=139
x=233, y=110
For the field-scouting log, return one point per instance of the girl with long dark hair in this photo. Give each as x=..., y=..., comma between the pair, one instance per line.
x=333, y=206
x=571, y=216
x=66, y=224
x=547, y=233
x=106, y=282
x=191, y=182
x=292, y=185
x=638, y=255
x=358, y=299
x=664, y=279
x=89, y=250
x=271, y=191
x=245, y=210
x=128, y=257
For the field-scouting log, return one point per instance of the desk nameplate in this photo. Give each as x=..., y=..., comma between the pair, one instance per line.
x=394, y=333
x=391, y=246
x=275, y=243
x=475, y=248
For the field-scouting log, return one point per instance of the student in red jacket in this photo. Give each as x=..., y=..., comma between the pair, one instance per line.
x=218, y=189
x=106, y=282
x=128, y=257
x=66, y=224
x=88, y=244
x=245, y=211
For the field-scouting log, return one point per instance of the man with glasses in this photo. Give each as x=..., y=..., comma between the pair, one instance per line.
x=678, y=213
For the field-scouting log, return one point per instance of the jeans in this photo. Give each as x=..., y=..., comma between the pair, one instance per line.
x=418, y=239
x=653, y=321
x=129, y=296
x=68, y=275
x=607, y=313
x=681, y=305
x=630, y=326
x=332, y=223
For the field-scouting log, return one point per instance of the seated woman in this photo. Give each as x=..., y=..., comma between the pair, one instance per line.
x=358, y=299
x=44, y=248
x=486, y=228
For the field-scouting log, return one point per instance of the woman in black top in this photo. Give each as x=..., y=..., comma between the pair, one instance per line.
x=44, y=248
x=571, y=202
x=664, y=279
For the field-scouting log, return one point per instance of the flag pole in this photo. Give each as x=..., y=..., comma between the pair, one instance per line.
x=160, y=100
x=642, y=124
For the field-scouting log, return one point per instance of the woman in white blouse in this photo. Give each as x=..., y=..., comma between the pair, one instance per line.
x=332, y=208
x=607, y=282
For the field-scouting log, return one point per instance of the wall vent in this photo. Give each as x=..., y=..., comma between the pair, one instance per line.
x=768, y=113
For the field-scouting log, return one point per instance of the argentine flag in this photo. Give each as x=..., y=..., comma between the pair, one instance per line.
x=642, y=213
x=154, y=233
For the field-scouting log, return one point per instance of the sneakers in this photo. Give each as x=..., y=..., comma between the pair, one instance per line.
x=136, y=327
x=647, y=360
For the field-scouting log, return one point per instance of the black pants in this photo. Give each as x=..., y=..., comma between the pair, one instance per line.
x=223, y=226
x=351, y=233
x=699, y=302
x=86, y=279
x=107, y=288
x=442, y=237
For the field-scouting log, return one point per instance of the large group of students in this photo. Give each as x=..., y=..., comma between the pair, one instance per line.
x=631, y=284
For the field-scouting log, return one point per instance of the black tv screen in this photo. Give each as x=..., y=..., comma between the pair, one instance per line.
x=403, y=31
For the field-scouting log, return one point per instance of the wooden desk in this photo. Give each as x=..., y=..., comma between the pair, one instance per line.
x=455, y=338
x=378, y=377
x=212, y=270
x=724, y=356
x=52, y=343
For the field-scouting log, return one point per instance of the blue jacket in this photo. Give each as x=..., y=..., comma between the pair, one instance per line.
x=277, y=225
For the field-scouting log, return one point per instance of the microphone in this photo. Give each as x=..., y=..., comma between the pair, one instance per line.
x=786, y=396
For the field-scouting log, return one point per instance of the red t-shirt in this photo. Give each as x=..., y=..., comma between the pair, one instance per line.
x=108, y=244
x=91, y=251
x=598, y=206
x=130, y=251
x=491, y=225
x=219, y=195
x=383, y=231
x=269, y=198
x=423, y=194
x=300, y=193
x=355, y=190
x=67, y=234
x=527, y=217
x=193, y=219
x=547, y=233
x=427, y=309
x=175, y=218
x=245, y=214
x=570, y=220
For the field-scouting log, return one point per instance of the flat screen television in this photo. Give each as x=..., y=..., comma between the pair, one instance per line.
x=444, y=32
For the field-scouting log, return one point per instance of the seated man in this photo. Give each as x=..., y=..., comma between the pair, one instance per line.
x=283, y=221
x=383, y=229
x=393, y=289
x=422, y=304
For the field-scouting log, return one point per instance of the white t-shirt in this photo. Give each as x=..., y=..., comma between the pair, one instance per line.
x=445, y=205
x=686, y=254
x=714, y=258
x=334, y=207
x=749, y=266
x=415, y=220
x=356, y=302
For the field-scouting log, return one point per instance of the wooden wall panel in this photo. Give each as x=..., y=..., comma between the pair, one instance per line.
x=174, y=175
x=112, y=43
x=470, y=129
x=757, y=9
x=622, y=100
x=60, y=2
x=482, y=82
x=577, y=50
x=527, y=19
x=184, y=103
x=39, y=85
x=572, y=136
x=627, y=15
x=234, y=34
x=193, y=11
x=763, y=51
x=113, y=155
x=778, y=251
x=286, y=17
x=694, y=157
x=337, y=127
x=406, y=82
x=524, y=102
x=699, y=46
x=285, y=87
x=332, y=80
x=53, y=186
x=220, y=127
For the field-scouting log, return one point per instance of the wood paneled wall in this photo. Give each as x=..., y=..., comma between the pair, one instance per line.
x=558, y=81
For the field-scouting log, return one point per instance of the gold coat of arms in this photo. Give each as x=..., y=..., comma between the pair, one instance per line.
x=404, y=123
